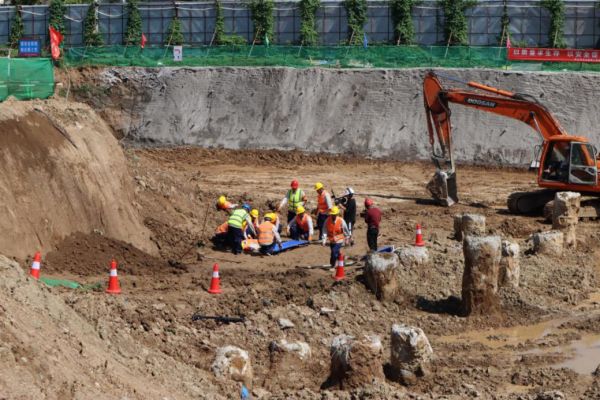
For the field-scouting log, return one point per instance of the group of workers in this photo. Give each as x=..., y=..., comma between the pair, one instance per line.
x=243, y=222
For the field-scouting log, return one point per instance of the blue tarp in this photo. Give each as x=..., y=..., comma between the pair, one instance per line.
x=386, y=249
x=290, y=244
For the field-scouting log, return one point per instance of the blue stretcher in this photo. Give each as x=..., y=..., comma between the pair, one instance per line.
x=289, y=244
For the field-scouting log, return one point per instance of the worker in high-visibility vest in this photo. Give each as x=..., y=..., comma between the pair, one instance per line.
x=336, y=232
x=224, y=205
x=294, y=197
x=324, y=205
x=268, y=236
x=220, y=237
x=301, y=226
x=236, y=227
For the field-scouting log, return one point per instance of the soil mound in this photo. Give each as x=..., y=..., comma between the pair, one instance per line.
x=90, y=254
x=49, y=351
x=62, y=171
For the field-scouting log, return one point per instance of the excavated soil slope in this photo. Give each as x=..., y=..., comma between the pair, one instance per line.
x=61, y=171
x=369, y=112
x=49, y=351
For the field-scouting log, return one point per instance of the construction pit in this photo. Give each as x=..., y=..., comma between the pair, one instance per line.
x=86, y=183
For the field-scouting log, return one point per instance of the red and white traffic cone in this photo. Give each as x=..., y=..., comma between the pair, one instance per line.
x=419, y=239
x=215, y=282
x=113, y=280
x=35, y=265
x=339, y=269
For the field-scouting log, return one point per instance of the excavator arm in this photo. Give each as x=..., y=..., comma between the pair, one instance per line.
x=508, y=104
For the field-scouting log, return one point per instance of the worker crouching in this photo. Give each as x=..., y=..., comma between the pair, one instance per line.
x=268, y=236
x=337, y=232
x=221, y=236
x=301, y=226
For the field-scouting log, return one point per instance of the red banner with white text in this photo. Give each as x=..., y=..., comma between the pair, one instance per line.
x=557, y=55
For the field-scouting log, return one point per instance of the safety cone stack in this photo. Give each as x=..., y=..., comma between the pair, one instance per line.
x=35, y=265
x=215, y=282
x=113, y=280
x=339, y=270
x=419, y=240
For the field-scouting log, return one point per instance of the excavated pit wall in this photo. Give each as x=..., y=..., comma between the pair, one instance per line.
x=377, y=113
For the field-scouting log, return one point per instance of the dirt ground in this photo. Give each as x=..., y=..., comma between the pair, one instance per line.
x=545, y=339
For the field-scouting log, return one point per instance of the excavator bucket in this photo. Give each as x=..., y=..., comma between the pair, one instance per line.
x=442, y=187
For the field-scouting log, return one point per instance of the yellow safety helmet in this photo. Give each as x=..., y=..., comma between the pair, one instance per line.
x=254, y=213
x=335, y=210
x=300, y=210
x=270, y=216
x=221, y=200
x=318, y=186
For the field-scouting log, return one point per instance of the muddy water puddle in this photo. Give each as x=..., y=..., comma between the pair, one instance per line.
x=581, y=355
x=584, y=354
x=513, y=336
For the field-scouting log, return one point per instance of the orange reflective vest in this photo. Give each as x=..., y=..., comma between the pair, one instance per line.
x=335, y=231
x=322, y=207
x=302, y=222
x=223, y=228
x=226, y=206
x=265, y=233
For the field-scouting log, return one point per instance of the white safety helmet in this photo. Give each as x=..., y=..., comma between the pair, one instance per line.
x=349, y=191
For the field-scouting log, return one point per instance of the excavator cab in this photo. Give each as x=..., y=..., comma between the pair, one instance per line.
x=568, y=162
x=582, y=166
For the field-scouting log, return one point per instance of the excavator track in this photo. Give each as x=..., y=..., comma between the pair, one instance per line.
x=529, y=202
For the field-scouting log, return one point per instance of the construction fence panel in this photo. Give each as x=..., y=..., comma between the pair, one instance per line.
x=26, y=78
x=529, y=22
x=6, y=16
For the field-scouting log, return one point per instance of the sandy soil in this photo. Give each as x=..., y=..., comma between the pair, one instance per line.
x=529, y=348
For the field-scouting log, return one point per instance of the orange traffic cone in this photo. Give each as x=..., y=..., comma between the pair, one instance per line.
x=339, y=270
x=215, y=282
x=113, y=280
x=35, y=265
x=419, y=240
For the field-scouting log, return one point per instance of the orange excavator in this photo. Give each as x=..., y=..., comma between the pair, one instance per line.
x=563, y=162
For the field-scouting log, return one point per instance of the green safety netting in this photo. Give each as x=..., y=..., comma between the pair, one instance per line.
x=291, y=56
x=299, y=57
x=26, y=78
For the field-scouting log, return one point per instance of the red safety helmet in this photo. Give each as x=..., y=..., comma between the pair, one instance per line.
x=368, y=202
x=294, y=184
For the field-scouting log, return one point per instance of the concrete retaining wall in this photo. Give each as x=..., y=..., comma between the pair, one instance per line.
x=377, y=113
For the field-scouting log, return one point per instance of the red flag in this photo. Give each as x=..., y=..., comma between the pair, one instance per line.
x=508, y=42
x=143, y=41
x=55, y=40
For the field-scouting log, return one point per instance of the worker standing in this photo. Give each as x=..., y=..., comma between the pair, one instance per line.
x=268, y=235
x=294, y=197
x=324, y=205
x=301, y=227
x=373, y=219
x=336, y=231
x=224, y=205
x=349, y=207
x=236, y=222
